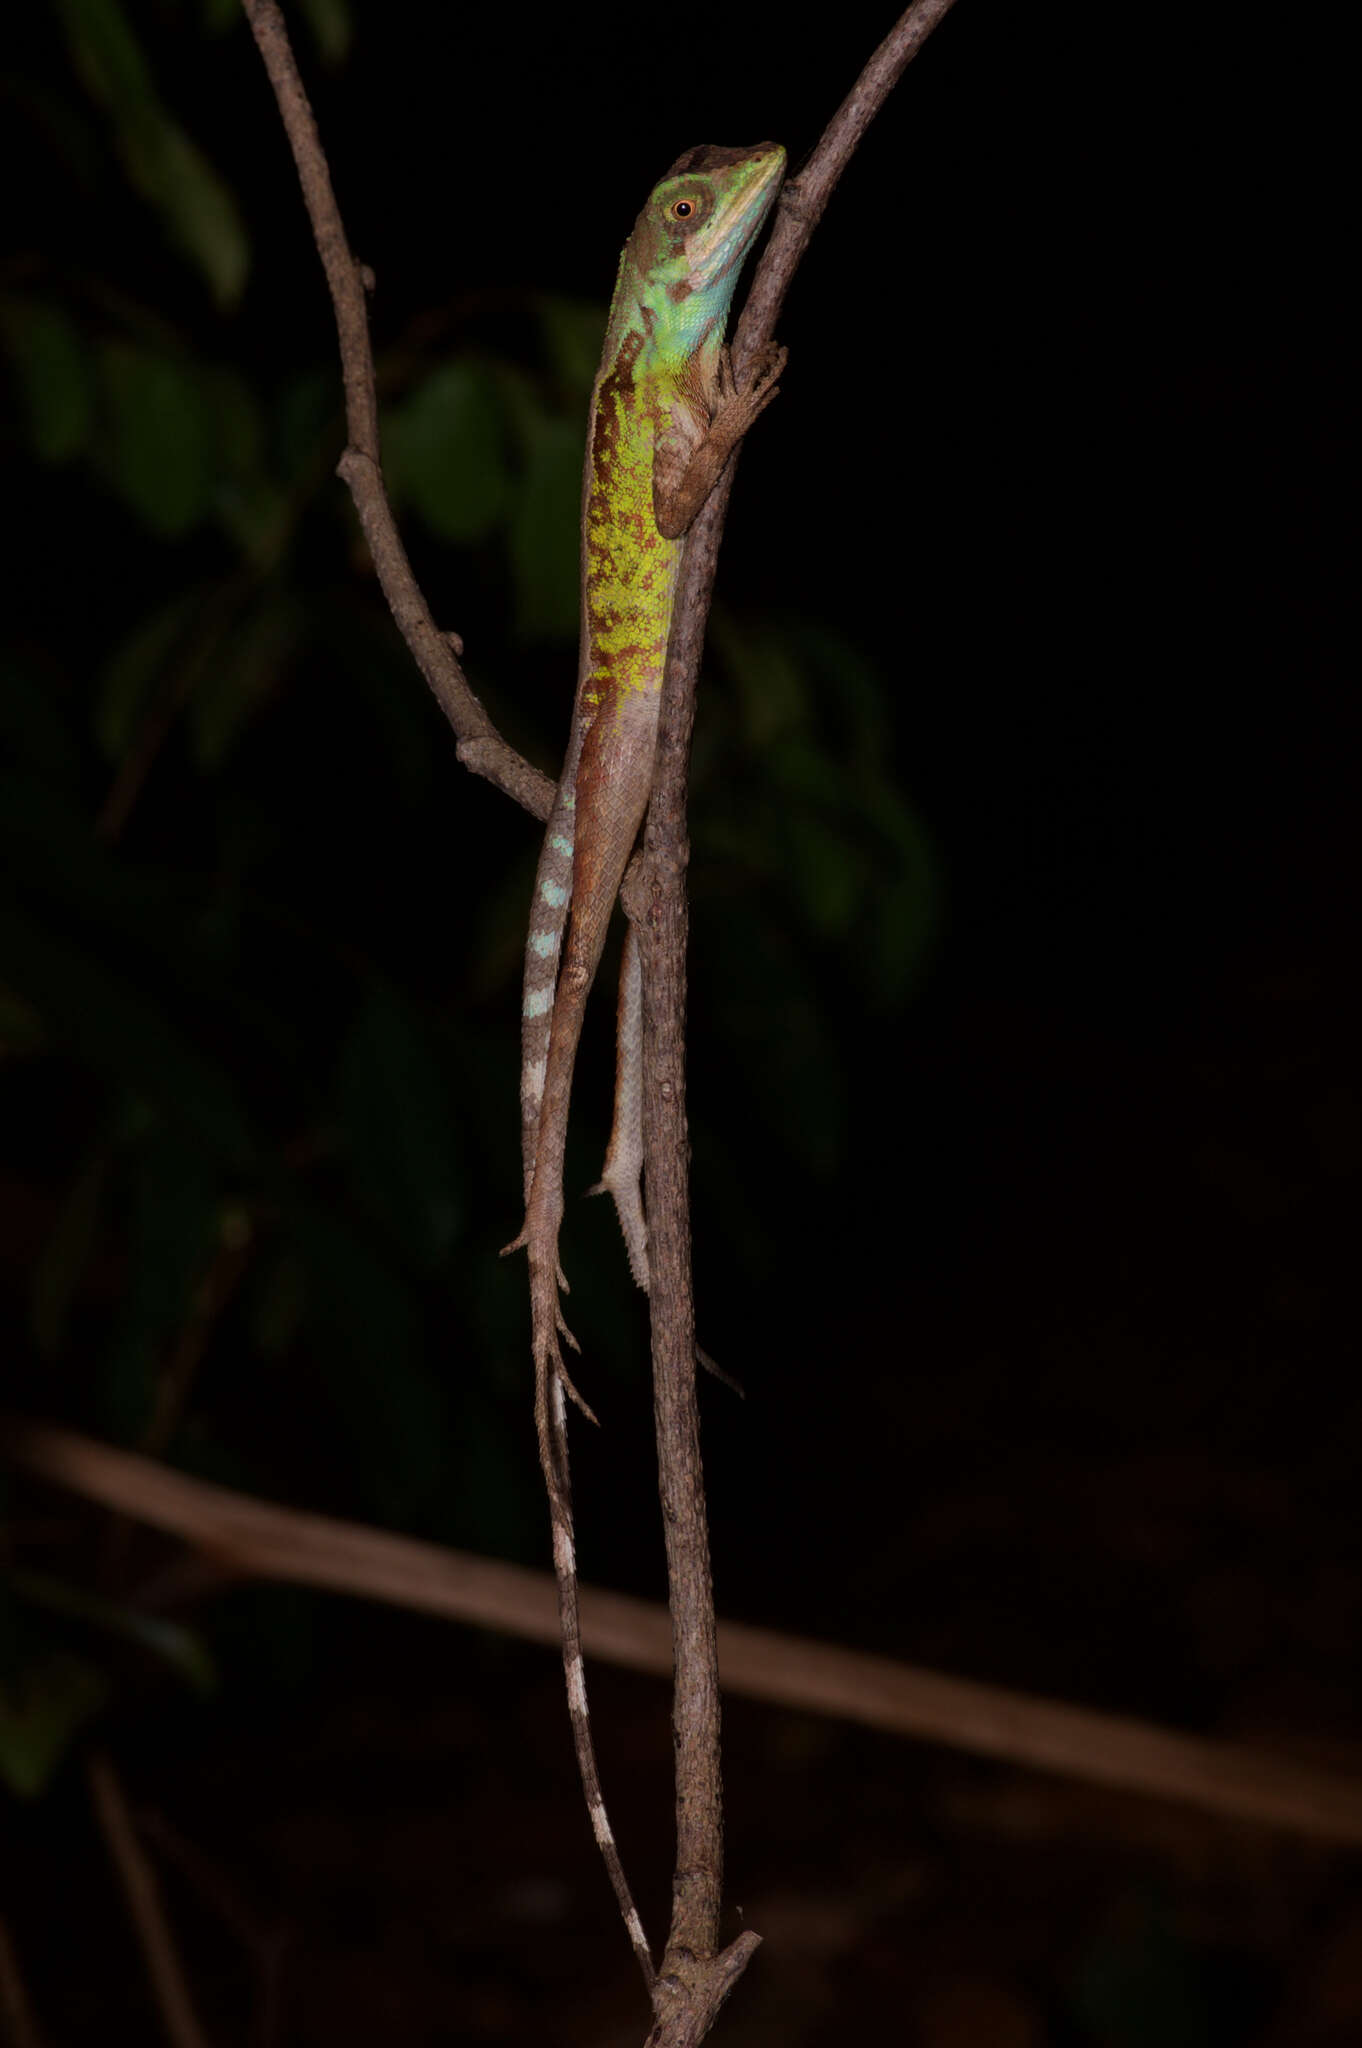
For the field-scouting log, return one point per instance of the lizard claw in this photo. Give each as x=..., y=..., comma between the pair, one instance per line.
x=546, y=1318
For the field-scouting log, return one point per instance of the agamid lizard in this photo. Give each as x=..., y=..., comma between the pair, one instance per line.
x=666, y=413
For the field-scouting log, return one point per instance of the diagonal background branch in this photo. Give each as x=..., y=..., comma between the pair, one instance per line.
x=658, y=905
x=260, y=1539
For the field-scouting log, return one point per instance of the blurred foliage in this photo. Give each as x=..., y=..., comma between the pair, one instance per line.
x=259, y=1041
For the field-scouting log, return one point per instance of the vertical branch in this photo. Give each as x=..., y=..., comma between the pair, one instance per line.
x=695, y=1980
x=143, y=1895
x=18, y=2028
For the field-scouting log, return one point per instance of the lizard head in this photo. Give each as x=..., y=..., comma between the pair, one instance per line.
x=699, y=222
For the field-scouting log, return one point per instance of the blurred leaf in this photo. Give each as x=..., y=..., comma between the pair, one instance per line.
x=133, y=678
x=199, y=209
x=103, y=1019
x=768, y=673
x=21, y=1028
x=573, y=331
x=545, y=547
x=332, y=28
x=42, y=1709
x=244, y=673
x=401, y=1136
x=850, y=850
x=36, y=732
x=172, y=1208
x=766, y=1006
x=66, y=1255
x=369, y=658
x=53, y=373
x=824, y=871
x=160, y=436
x=1140, y=1985
x=366, y=1324
x=246, y=498
x=906, y=910
x=308, y=417
x=278, y=1304
x=163, y=164
x=176, y=1647
x=444, y=450
x=237, y=421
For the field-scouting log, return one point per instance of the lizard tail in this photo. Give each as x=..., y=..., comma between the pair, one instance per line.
x=551, y=1423
x=548, y=916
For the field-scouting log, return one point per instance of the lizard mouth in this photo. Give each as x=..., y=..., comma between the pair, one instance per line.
x=738, y=218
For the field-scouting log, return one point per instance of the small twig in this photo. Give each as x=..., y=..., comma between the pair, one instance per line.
x=143, y=1896
x=211, y=1296
x=263, y=1944
x=18, y=2028
x=698, y=1979
x=481, y=747
x=260, y=1539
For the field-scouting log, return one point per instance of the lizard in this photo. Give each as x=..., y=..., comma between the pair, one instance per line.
x=666, y=413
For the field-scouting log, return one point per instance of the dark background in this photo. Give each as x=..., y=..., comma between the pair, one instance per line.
x=1024, y=1101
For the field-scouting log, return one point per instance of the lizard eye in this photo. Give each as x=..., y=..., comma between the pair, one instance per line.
x=682, y=209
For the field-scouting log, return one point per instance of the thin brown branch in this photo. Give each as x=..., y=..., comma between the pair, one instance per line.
x=143, y=1896
x=18, y=2028
x=481, y=747
x=264, y=1945
x=262, y=1540
x=696, y=1980
x=658, y=902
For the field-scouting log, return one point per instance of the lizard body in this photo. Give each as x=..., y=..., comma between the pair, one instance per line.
x=666, y=413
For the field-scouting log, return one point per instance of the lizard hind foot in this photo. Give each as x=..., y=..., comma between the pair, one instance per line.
x=548, y=1325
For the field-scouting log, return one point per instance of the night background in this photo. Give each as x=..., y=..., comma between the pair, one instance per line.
x=1023, y=1028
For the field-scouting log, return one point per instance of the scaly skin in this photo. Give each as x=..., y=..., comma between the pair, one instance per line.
x=665, y=415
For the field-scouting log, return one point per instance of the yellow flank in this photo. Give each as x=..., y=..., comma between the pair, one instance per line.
x=630, y=568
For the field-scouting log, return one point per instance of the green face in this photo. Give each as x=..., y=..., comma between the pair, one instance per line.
x=699, y=223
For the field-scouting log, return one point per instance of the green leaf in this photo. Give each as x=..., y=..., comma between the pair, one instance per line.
x=176, y=1647
x=66, y=1255
x=237, y=421
x=37, y=733
x=545, y=548
x=756, y=974
x=21, y=1028
x=109, y=1023
x=308, y=422
x=400, y=1131
x=52, y=370
x=136, y=672
x=766, y=667
x=278, y=1303
x=573, y=330
x=168, y=169
x=444, y=450
x=42, y=1709
x=159, y=436
x=199, y=210
x=332, y=28
x=172, y=1210
x=248, y=666
x=367, y=1330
